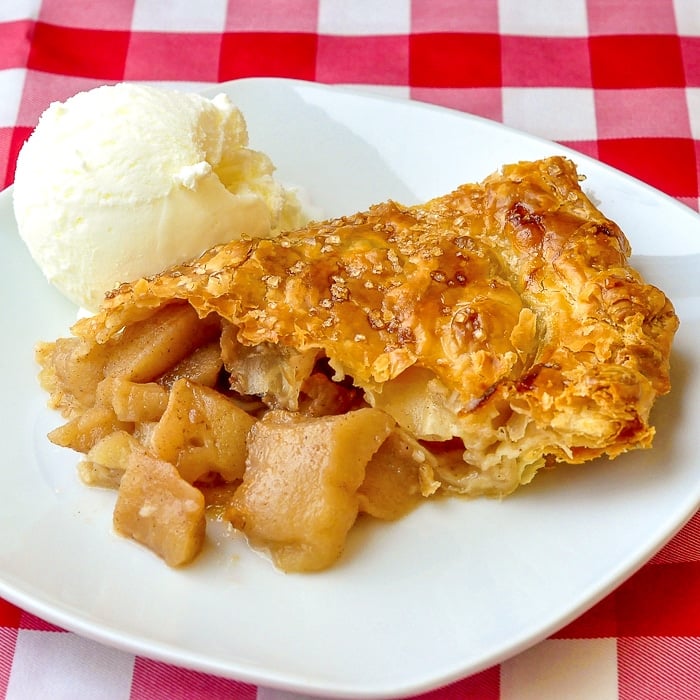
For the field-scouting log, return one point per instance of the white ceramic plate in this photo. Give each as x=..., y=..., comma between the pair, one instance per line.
x=447, y=591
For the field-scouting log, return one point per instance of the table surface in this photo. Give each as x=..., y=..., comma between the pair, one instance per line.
x=618, y=80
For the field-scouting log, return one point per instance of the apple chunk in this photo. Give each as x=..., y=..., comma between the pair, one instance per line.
x=158, y=508
x=298, y=498
x=202, y=431
x=398, y=477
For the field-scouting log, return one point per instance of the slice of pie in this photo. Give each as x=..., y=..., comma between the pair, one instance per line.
x=491, y=332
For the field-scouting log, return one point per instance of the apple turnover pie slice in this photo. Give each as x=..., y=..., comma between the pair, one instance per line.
x=367, y=362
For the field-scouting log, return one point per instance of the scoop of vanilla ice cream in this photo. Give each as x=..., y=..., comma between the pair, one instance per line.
x=123, y=181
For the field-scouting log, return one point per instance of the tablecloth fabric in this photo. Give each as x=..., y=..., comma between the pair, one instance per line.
x=616, y=79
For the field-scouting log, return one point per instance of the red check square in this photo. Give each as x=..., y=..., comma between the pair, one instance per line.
x=529, y=61
x=636, y=61
x=88, y=13
x=11, y=141
x=154, y=680
x=379, y=60
x=453, y=15
x=275, y=54
x=455, y=60
x=150, y=56
x=690, y=46
x=598, y=622
x=647, y=112
x=665, y=163
x=695, y=200
x=649, y=667
x=8, y=643
x=675, y=590
x=15, y=40
x=590, y=148
x=605, y=17
x=93, y=53
x=41, y=89
x=484, y=102
x=685, y=546
x=32, y=622
x=279, y=15
x=9, y=614
x=6, y=177
x=484, y=686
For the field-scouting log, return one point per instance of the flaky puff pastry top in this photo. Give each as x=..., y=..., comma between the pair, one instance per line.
x=505, y=313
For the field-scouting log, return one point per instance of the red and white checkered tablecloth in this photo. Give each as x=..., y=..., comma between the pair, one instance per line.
x=616, y=79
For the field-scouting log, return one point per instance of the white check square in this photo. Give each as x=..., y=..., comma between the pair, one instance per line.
x=693, y=98
x=18, y=9
x=71, y=666
x=543, y=18
x=575, y=669
x=364, y=17
x=687, y=13
x=180, y=16
x=557, y=114
x=12, y=86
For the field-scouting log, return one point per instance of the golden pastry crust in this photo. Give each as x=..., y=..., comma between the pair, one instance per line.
x=501, y=324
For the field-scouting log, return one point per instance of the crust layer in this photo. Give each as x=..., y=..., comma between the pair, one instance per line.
x=501, y=325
